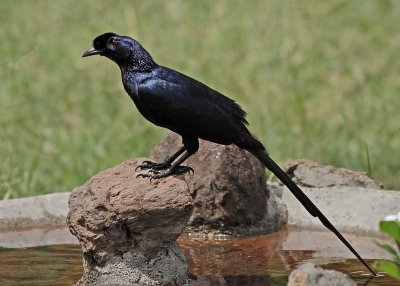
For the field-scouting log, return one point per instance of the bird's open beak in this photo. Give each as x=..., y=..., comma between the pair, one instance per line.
x=91, y=52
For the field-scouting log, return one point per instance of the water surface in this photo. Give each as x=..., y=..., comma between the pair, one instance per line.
x=248, y=261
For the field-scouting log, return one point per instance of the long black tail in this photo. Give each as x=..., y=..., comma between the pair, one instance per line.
x=301, y=196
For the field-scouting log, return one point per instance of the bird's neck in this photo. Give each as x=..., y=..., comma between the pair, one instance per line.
x=132, y=76
x=137, y=65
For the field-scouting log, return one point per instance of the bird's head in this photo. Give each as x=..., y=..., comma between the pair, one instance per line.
x=122, y=50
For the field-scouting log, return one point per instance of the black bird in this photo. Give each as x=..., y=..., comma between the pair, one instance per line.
x=188, y=107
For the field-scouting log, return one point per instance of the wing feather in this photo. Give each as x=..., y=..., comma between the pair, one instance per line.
x=180, y=103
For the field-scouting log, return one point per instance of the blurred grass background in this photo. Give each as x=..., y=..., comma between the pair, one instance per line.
x=319, y=80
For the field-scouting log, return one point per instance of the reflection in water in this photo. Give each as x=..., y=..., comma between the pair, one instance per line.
x=45, y=265
x=260, y=260
x=248, y=261
x=233, y=256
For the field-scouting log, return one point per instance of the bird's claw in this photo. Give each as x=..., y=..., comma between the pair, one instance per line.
x=151, y=176
x=156, y=174
x=152, y=166
x=182, y=170
x=186, y=169
x=145, y=165
x=153, y=171
x=142, y=176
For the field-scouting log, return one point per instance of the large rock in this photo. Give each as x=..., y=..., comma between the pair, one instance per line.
x=228, y=189
x=310, y=174
x=127, y=227
x=310, y=275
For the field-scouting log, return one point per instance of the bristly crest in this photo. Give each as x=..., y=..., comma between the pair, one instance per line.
x=101, y=41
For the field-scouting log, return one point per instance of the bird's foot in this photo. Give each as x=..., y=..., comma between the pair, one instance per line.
x=153, y=166
x=155, y=174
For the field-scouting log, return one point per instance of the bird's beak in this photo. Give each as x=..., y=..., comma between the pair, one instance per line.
x=91, y=52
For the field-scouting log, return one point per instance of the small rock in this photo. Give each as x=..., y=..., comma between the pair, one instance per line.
x=127, y=227
x=228, y=189
x=310, y=174
x=310, y=275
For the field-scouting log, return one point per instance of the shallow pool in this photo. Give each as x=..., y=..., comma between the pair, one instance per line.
x=213, y=260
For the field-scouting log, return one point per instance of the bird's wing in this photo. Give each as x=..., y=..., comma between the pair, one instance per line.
x=186, y=106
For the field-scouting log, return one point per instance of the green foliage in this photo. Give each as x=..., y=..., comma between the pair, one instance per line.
x=391, y=268
x=319, y=80
x=369, y=167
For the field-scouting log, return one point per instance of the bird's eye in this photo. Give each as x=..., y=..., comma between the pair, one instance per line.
x=114, y=42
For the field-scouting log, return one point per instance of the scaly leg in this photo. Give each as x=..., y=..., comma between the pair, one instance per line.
x=190, y=145
x=163, y=165
x=174, y=169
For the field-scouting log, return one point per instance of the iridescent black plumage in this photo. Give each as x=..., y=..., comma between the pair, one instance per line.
x=188, y=107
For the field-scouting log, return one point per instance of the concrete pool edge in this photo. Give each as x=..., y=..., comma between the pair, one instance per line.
x=40, y=220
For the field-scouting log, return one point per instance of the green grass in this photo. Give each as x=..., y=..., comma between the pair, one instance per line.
x=319, y=80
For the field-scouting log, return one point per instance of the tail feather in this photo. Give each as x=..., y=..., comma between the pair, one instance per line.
x=262, y=155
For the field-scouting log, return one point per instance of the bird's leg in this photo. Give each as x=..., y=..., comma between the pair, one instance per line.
x=190, y=145
x=174, y=169
x=163, y=165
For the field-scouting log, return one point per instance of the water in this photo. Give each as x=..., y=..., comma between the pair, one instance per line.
x=44, y=265
x=250, y=261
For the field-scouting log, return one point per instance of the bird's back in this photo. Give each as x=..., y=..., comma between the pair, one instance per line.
x=184, y=105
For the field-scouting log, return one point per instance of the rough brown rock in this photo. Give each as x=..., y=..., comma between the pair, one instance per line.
x=310, y=174
x=310, y=275
x=128, y=226
x=228, y=189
